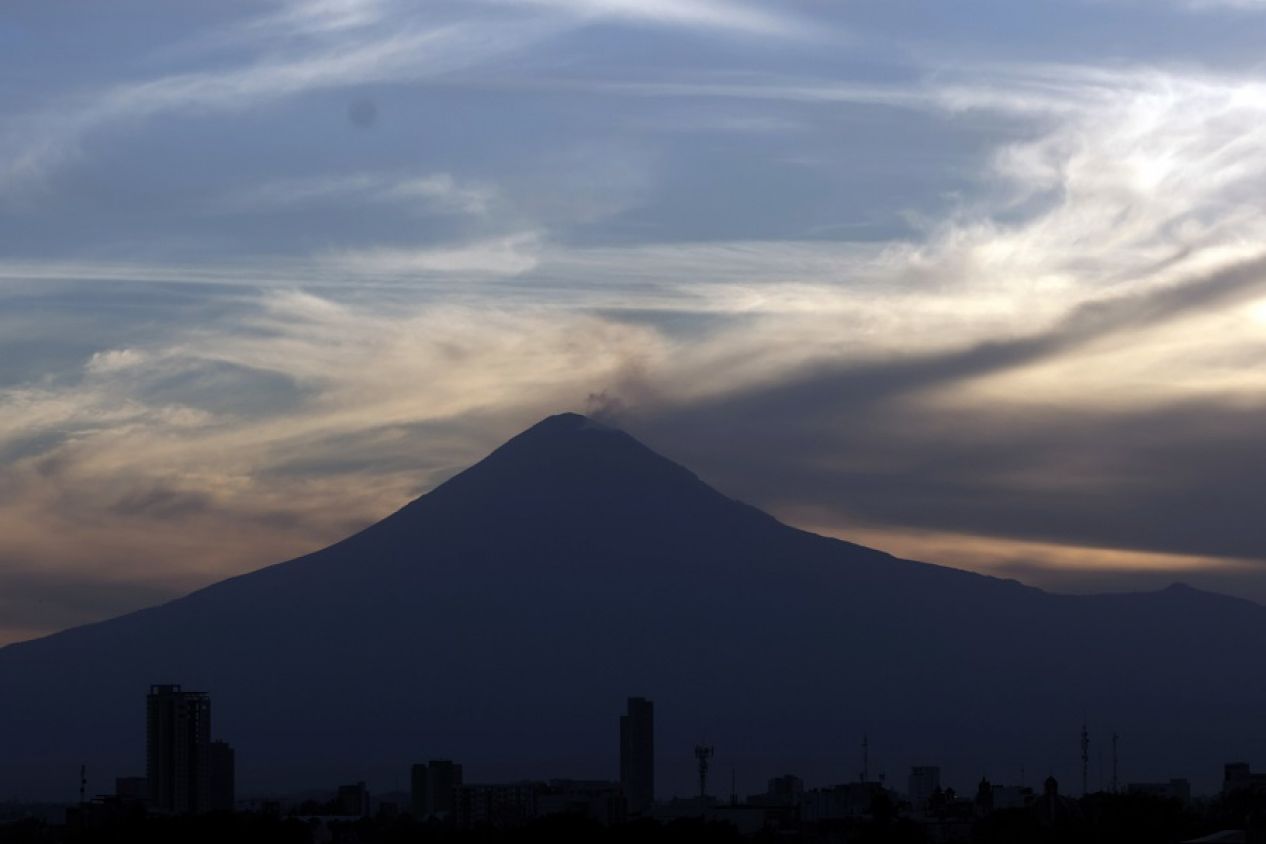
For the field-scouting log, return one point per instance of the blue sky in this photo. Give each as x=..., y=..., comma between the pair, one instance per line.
x=975, y=282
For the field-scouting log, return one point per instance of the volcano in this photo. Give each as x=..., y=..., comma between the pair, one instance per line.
x=502, y=619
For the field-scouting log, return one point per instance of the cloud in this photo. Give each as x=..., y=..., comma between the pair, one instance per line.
x=314, y=45
x=482, y=258
x=442, y=191
x=320, y=16
x=409, y=49
x=1222, y=5
x=724, y=15
x=505, y=256
x=114, y=360
x=436, y=192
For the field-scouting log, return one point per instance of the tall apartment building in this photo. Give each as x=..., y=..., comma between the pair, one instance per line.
x=177, y=753
x=637, y=755
x=925, y=780
x=433, y=788
x=223, y=787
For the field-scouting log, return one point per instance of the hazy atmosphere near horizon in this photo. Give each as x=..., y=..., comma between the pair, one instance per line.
x=981, y=282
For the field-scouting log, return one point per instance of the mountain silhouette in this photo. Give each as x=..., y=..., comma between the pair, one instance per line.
x=502, y=619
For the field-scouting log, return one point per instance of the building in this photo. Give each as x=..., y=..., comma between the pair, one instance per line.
x=747, y=818
x=787, y=790
x=496, y=804
x=1010, y=797
x=352, y=801
x=637, y=755
x=177, y=752
x=419, y=791
x=1051, y=807
x=132, y=789
x=597, y=800
x=841, y=802
x=1175, y=789
x=1237, y=776
x=783, y=802
x=432, y=788
x=223, y=778
x=100, y=817
x=925, y=780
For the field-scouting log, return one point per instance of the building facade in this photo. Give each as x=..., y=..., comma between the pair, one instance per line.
x=495, y=804
x=925, y=780
x=223, y=778
x=177, y=752
x=433, y=788
x=637, y=755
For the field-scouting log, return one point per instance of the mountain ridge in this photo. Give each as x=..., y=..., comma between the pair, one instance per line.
x=569, y=422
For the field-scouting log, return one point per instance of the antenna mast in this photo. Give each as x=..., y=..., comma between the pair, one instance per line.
x=703, y=753
x=865, y=757
x=1085, y=759
x=1114, y=763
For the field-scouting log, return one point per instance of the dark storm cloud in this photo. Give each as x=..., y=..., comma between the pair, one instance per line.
x=829, y=389
x=1179, y=477
x=1168, y=480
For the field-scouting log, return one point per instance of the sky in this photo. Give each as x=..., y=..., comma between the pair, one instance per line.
x=980, y=283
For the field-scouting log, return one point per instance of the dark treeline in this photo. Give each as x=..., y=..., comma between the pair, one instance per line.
x=1098, y=818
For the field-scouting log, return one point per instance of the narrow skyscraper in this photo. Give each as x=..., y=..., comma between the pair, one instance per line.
x=178, y=758
x=433, y=788
x=925, y=780
x=223, y=787
x=637, y=755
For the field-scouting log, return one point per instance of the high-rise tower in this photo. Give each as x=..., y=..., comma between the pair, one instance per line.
x=434, y=788
x=178, y=758
x=223, y=789
x=637, y=755
x=1085, y=760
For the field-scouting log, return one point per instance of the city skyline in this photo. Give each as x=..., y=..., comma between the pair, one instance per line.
x=181, y=775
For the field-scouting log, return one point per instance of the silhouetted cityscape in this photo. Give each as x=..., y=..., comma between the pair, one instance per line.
x=188, y=790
